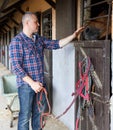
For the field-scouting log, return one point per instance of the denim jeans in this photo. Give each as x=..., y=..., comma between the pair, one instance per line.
x=28, y=109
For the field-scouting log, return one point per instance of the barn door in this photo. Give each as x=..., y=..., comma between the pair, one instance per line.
x=99, y=53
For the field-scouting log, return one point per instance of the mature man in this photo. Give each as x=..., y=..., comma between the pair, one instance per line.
x=26, y=53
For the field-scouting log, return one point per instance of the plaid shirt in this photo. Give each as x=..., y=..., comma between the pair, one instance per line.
x=27, y=56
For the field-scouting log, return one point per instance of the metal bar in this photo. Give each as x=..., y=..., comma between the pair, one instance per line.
x=97, y=3
x=96, y=18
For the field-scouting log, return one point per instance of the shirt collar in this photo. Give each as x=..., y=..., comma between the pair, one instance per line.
x=35, y=37
x=25, y=36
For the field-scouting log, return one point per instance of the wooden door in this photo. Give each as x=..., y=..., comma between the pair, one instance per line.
x=99, y=53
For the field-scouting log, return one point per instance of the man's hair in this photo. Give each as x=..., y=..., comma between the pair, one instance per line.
x=26, y=16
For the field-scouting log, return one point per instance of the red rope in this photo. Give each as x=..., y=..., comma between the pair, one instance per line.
x=43, y=114
x=80, y=85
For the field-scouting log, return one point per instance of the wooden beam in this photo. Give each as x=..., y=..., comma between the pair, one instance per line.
x=4, y=4
x=2, y=20
x=7, y=25
x=1, y=31
x=8, y=14
x=112, y=33
x=20, y=10
x=4, y=29
x=51, y=3
x=14, y=21
x=18, y=3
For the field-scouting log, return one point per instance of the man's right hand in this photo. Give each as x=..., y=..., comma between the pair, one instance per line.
x=36, y=86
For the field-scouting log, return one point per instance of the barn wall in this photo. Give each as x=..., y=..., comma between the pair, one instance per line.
x=64, y=63
x=63, y=83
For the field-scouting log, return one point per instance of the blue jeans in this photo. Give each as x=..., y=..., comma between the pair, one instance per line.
x=28, y=109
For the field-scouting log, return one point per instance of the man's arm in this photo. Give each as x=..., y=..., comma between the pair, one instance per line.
x=68, y=39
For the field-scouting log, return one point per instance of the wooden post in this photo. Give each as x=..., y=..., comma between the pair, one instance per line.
x=111, y=100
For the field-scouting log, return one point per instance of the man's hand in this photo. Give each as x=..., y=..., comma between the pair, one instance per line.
x=78, y=31
x=68, y=39
x=37, y=86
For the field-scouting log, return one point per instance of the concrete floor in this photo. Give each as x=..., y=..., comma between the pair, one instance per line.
x=51, y=123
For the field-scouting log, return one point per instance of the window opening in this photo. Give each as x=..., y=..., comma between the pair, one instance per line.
x=47, y=24
x=96, y=17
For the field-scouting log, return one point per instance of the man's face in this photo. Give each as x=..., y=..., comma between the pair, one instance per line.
x=33, y=24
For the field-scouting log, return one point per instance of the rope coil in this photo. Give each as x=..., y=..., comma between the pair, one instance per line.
x=40, y=105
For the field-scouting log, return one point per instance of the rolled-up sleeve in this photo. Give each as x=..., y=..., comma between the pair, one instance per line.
x=16, y=58
x=50, y=44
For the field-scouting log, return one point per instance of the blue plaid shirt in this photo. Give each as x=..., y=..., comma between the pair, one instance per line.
x=27, y=56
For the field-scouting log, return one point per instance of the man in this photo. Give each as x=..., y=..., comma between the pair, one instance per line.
x=27, y=56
